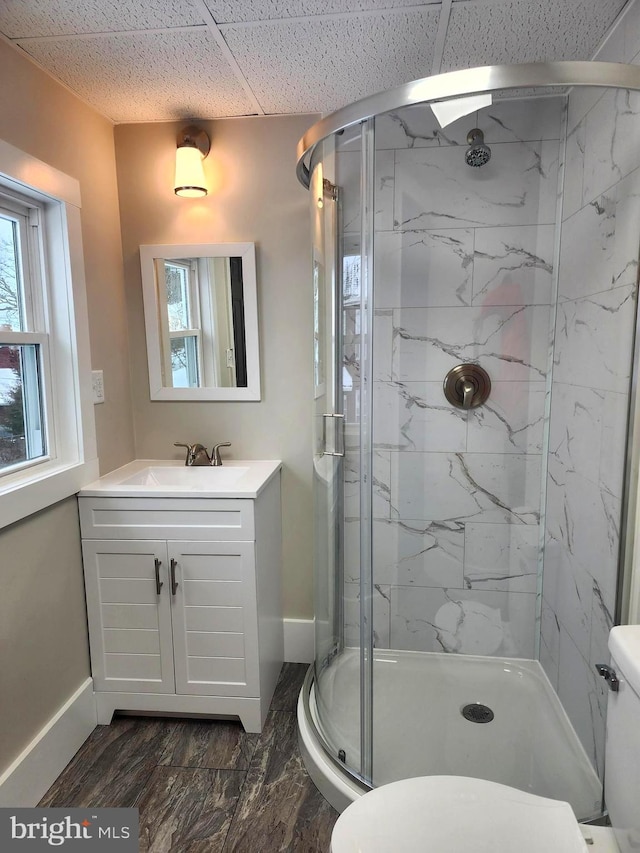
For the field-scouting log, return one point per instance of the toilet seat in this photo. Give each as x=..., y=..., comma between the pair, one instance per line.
x=455, y=814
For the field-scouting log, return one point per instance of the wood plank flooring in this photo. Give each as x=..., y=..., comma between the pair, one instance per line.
x=205, y=786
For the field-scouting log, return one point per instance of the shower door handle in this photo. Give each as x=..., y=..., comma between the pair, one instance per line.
x=338, y=422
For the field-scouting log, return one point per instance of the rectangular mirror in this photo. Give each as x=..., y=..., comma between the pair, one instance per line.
x=201, y=319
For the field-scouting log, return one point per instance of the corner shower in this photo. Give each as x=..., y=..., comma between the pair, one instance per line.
x=474, y=361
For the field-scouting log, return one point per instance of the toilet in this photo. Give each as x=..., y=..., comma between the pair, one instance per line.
x=458, y=814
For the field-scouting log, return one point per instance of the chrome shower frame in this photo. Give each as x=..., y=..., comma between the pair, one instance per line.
x=546, y=75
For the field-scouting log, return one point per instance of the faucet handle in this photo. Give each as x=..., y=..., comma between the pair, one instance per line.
x=216, y=459
x=190, y=451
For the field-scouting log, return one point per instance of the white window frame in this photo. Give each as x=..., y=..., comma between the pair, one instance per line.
x=71, y=461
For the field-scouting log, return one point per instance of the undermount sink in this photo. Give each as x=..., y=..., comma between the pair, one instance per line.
x=194, y=477
x=236, y=478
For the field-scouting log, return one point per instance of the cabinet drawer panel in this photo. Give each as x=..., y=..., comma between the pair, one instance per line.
x=203, y=644
x=131, y=641
x=143, y=616
x=167, y=518
x=221, y=593
x=147, y=667
x=120, y=591
x=211, y=567
x=214, y=618
x=217, y=670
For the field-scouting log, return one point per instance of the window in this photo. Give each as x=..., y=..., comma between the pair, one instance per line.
x=184, y=352
x=24, y=359
x=47, y=430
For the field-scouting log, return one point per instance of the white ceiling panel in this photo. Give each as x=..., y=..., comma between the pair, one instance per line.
x=485, y=32
x=147, y=77
x=152, y=60
x=230, y=11
x=26, y=18
x=320, y=65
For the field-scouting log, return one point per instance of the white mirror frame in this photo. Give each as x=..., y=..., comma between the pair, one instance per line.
x=246, y=251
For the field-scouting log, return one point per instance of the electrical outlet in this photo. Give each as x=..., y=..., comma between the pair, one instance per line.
x=97, y=384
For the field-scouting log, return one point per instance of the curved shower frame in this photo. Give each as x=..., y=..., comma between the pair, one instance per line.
x=339, y=783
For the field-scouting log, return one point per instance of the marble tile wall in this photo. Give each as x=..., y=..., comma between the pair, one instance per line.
x=463, y=272
x=597, y=284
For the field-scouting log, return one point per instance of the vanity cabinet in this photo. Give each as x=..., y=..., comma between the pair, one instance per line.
x=183, y=602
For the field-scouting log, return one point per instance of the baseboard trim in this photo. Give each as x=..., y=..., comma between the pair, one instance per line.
x=37, y=767
x=299, y=640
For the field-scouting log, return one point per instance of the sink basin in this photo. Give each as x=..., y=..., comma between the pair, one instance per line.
x=237, y=478
x=191, y=478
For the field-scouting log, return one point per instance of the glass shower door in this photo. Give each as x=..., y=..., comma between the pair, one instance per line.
x=335, y=190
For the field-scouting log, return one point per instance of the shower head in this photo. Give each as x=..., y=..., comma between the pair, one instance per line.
x=477, y=154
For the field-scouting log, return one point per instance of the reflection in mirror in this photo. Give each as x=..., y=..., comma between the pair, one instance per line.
x=201, y=318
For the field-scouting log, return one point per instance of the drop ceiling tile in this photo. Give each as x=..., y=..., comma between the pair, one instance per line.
x=320, y=65
x=147, y=77
x=229, y=11
x=485, y=32
x=26, y=19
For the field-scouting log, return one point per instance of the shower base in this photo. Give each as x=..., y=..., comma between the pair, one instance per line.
x=419, y=728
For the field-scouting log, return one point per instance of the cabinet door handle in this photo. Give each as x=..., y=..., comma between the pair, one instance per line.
x=159, y=583
x=174, y=582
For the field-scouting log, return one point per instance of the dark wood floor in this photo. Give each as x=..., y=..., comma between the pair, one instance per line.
x=205, y=786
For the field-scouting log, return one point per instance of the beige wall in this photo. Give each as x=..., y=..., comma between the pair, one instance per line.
x=255, y=197
x=43, y=639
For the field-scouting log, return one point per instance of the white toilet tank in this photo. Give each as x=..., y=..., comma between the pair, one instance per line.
x=622, y=768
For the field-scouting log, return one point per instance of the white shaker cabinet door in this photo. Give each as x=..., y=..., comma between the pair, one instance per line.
x=128, y=604
x=214, y=618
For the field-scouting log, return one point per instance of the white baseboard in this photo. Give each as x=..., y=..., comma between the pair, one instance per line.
x=37, y=767
x=299, y=640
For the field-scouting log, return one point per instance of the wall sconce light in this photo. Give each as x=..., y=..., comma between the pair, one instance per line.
x=193, y=147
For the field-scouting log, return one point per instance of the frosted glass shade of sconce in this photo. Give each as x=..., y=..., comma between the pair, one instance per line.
x=189, y=181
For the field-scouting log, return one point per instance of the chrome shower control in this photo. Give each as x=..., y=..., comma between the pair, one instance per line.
x=467, y=386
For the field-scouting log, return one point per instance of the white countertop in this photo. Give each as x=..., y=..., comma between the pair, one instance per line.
x=166, y=478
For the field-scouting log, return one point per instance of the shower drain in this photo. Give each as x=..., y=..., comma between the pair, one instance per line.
x=477, y=713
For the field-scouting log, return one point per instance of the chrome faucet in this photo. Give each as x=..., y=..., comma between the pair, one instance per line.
x=196, y=454
x=216, y=459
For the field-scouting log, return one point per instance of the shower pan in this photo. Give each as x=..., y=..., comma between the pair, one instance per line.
x=474, y=375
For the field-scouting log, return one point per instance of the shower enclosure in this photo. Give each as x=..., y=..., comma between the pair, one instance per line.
x=475, y=313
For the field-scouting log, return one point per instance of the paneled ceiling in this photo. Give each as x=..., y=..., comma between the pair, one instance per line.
x=155, y=60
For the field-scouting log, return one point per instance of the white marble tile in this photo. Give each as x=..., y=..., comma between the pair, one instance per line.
x=417, y=127
x=501, y=557
x=578, y=692
x=613, y=449
x=383, y=335
x=510, y=342
x=351, y=534
x=409, y=554
x=381, y=610
x=510, y=421
x=423, y=268
x=582, y=99
x=611, y=134
x=599, y=249
x=416, y=416
x=513, y=266
x=463, y=621
x=521, y=120
x=594, y=340
x=584, y=520
x=435, y=189
x=465, y=486
x=568, y=588
x=575, y=434
x=550, y=644
x=574, y=171
x=348, y=176
x=381, y=488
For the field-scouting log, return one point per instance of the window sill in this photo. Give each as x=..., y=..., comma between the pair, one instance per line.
x=37, y=491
